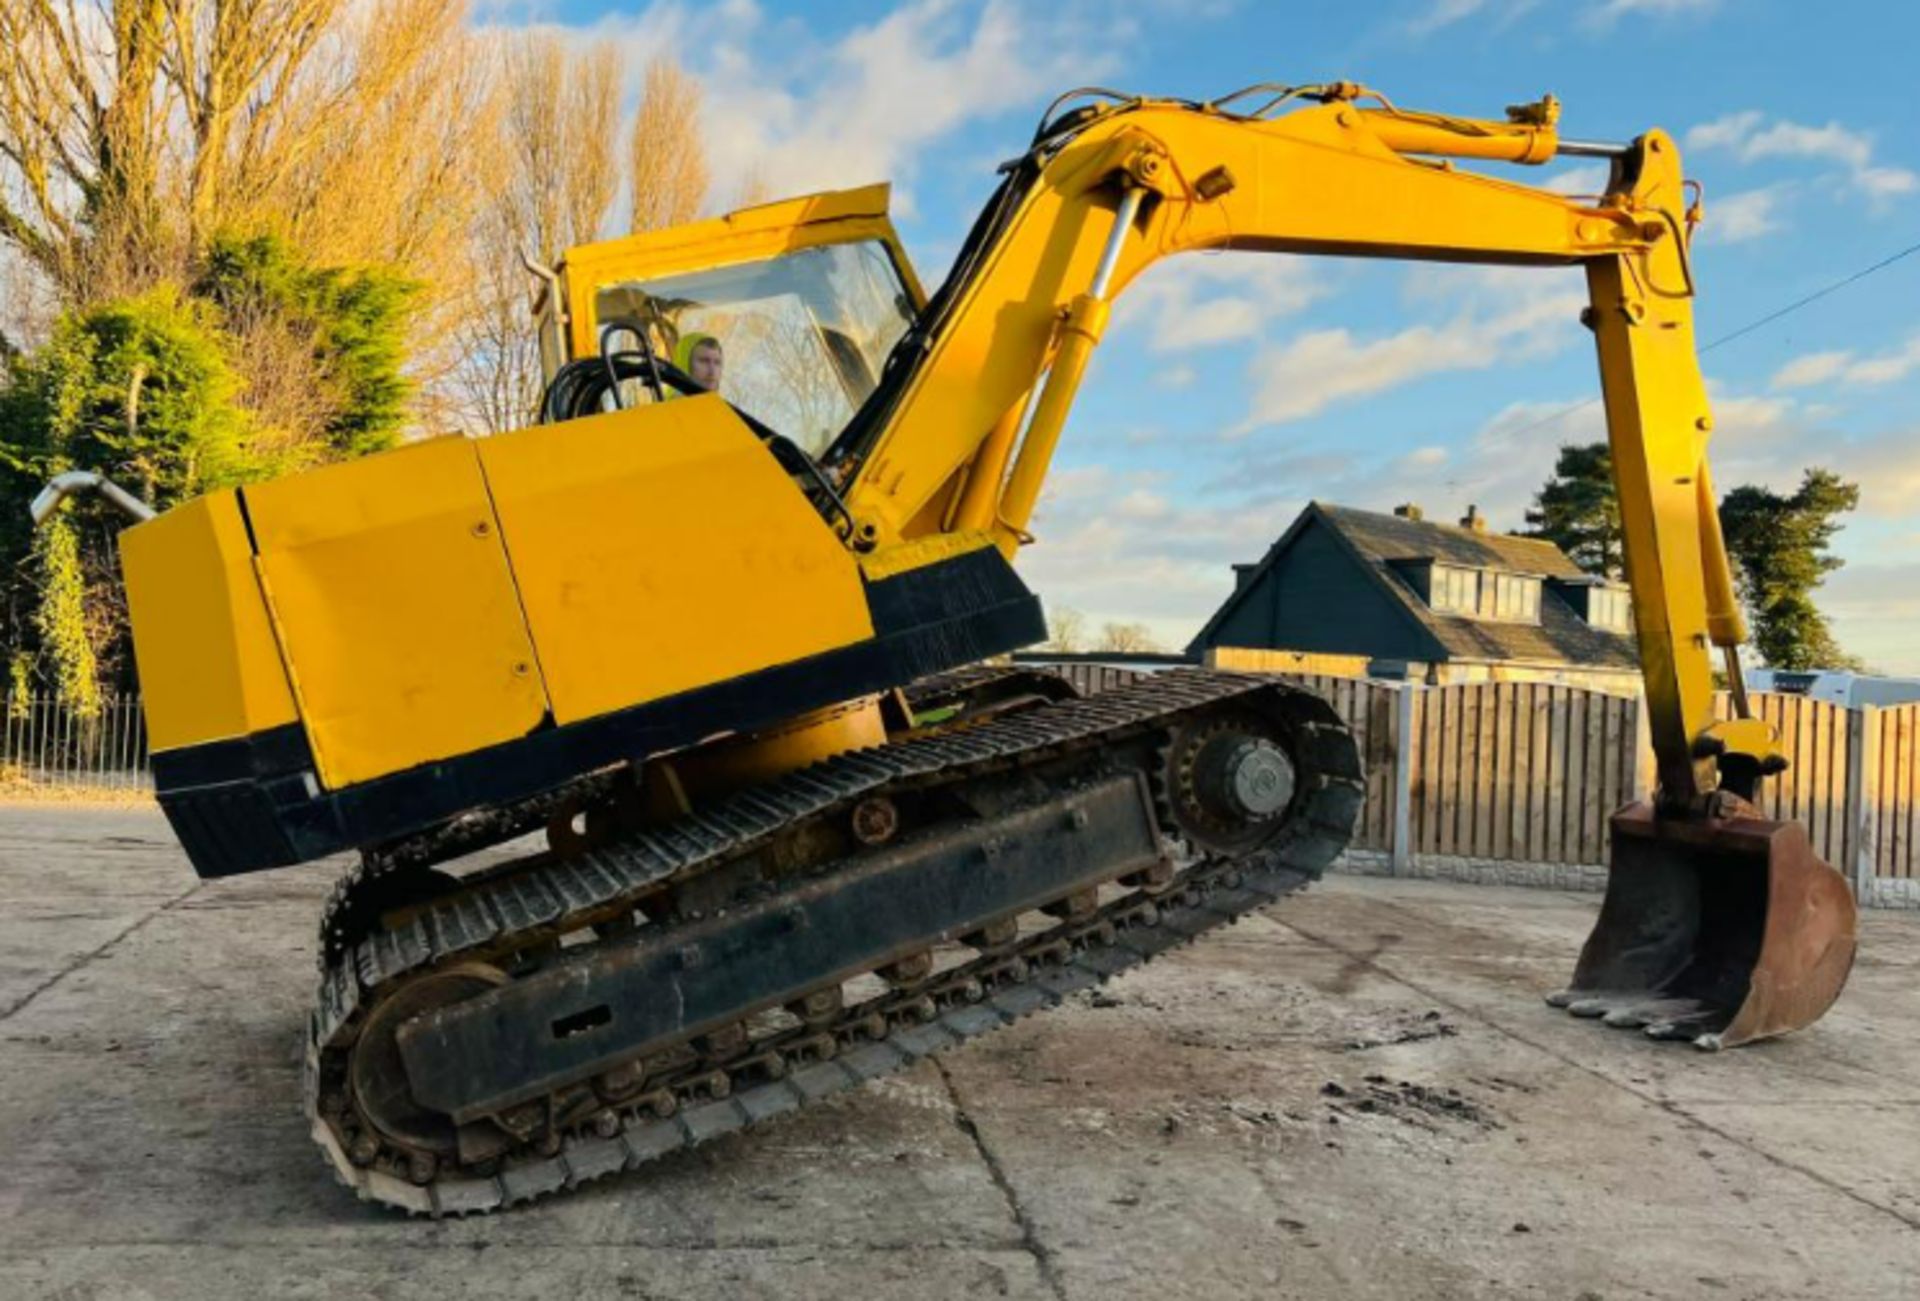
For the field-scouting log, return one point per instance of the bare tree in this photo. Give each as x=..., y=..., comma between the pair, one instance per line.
x=558, y=137
x=1126, y=637
x=133, y=131
x=754, y=188
x=78, y=138
x=1066, y=630
x=555, y=179
x=402, y=111
x=667, y=159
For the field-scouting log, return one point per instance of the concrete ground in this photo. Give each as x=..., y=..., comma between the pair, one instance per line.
x=1359, y=1095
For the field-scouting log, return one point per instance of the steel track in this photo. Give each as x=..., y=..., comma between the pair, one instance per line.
x=547, y=897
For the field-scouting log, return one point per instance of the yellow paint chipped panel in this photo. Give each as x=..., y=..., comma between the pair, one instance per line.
x=662, y=549
x=390, y=589
x=210, y=669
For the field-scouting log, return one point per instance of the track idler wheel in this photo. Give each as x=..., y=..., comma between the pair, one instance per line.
x=1720, y=930
x=376, y=1075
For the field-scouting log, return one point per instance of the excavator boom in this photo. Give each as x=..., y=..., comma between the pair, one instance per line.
x=715, y=644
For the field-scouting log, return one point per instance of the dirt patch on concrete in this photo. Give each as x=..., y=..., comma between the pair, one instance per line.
x=1406, y=1101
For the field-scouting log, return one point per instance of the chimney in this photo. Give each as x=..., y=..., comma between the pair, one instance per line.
x=1242, y=575
x=1474, y=520
x=1407, y=510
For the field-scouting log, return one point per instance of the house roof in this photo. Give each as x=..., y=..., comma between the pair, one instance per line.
x=1383, y=542
x=1394, y=537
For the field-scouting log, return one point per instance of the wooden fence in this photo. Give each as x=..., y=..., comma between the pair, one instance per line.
x=1887, y=789
x=1518, y=770
x=45, y=744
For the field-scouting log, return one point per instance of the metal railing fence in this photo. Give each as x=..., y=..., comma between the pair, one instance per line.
x=45, y=744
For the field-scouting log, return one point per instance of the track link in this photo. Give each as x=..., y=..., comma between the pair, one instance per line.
x=869, y=1039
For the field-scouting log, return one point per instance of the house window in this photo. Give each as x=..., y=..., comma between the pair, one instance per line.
x=1456, y=591
x=1610, y=608
x=1510, y=601
x=1484, y=594
x=1466, y=591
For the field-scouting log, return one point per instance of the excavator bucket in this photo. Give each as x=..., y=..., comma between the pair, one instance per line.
x=1718, y=930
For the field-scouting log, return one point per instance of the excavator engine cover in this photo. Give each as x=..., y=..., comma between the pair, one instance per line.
x=1718, y=930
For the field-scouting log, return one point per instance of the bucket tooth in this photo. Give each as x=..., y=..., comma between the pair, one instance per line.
x=1703, y=1026
x=1652, y=1011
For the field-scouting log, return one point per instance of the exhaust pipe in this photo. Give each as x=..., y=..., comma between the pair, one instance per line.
x=74, y=482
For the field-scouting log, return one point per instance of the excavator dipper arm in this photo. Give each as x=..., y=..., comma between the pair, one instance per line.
x=960, y=435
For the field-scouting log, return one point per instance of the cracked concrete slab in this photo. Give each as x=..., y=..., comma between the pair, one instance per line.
x=1356, y=1095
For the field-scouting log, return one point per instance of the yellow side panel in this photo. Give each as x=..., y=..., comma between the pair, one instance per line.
x=396, y=609
x=209, y=667
x=661, y=549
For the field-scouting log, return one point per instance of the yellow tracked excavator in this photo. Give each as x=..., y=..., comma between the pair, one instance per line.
x=729, y=654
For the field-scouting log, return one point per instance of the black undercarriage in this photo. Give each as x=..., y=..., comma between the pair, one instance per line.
x=565, y=1015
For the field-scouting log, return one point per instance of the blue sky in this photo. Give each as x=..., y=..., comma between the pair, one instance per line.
x=1234, y=389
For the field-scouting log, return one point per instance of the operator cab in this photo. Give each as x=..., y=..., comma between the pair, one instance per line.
x=807, y=297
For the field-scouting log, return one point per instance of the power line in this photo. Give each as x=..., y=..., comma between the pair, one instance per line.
x=1744, y=330
x=1813, y=297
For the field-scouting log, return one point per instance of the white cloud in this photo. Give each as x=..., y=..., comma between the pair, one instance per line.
x=1443, y=13
x=1500, y=468
x=1310, y=372
x=882, y=93
x=1754, y=424
x=1743, y=135
x=1885, y=368
x=1743, y=216
x=1771, y=439
x=1758, y=439
x=1795, y=140
x=1494, y=14
x=1614, y=10
x=1201, y=300
x=1141, y=504
x=1813, y=368
x=1123, y=546
x=798, y=112
x=1849, y=369
x=1728, y=132
x=1885, y=182
x=1114, y=546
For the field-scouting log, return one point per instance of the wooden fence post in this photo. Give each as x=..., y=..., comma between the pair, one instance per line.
x=1863, y=796
x=1403, y=743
